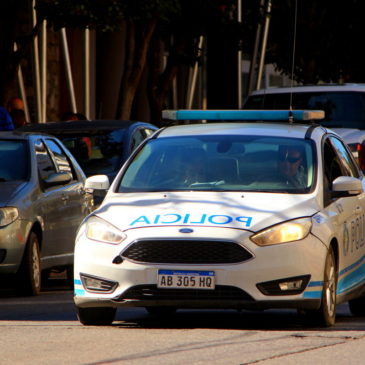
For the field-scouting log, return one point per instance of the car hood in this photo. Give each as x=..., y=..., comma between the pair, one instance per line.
x=8, y=191
x=350, y=135
x=248, y=211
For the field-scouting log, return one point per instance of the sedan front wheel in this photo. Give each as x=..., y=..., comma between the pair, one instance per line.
x=29, y=274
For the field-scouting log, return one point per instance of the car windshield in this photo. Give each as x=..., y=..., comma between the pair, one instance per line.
x=14, y=162
x=99, y=153
x=342, y=109
x=222, y=162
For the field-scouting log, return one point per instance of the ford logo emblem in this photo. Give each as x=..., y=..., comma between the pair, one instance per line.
x=186, y=230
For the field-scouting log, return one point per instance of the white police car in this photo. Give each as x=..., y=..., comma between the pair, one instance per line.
x=231, y=214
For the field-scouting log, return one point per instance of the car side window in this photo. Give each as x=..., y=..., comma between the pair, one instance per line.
x=137, y=138
x=60, y=157
x=148, y=132
x=348, y=165
x=45, y=163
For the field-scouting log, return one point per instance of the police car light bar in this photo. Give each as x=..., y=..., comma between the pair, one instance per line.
x=272, y=115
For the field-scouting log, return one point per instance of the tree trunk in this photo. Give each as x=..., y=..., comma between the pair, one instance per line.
x=137, y=44
x=160, y=82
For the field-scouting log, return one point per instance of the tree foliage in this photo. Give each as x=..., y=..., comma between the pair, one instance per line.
x=326, y=47
x=152, y=27
x=327, y=42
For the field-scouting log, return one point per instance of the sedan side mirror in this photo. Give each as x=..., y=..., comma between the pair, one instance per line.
x=347, y=185
x=59, y=178
x=97, y=182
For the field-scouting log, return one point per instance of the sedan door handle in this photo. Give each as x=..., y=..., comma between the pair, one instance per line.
x=65, y=198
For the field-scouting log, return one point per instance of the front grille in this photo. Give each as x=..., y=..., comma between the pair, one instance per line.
x=186, y=252
x=151, y=292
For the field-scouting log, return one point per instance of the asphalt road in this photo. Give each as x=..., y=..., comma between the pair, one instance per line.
x=44, y=330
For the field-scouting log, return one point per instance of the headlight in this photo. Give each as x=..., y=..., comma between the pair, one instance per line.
x=99, y=230
x=8, y=215
x=285, y=232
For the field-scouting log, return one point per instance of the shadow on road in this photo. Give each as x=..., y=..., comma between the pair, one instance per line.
x=55, y=303
x=279, y=320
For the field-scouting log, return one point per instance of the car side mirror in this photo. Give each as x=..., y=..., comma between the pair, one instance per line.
x=346, y=185
x=97, y=182
x=97, y=186
x=58, y=178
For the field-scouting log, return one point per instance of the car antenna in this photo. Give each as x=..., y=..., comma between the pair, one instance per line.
x=290, y=116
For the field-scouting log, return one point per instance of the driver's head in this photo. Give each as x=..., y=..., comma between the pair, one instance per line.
x=290, y=158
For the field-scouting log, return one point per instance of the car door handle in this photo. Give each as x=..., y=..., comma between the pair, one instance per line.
x=81, y=191
x=358, y=210
x=65, y=198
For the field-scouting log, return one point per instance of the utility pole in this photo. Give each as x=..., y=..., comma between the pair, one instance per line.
x=264, y=42
x=253, y=65
x=239, y=58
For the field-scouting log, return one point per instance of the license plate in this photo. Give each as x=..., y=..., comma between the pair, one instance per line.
x=186, y=279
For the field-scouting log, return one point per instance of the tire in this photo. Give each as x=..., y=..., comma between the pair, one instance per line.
x=325, y=316
x=96, y=316
x=161, y=311
x=29, y=274
x=357, y=307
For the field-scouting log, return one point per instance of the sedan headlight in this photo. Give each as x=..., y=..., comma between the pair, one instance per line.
x=99, y=230
x=285, y=232
x=8, y=215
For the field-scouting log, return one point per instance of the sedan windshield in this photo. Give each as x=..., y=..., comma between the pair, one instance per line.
x=222, y=162
x=14, y=161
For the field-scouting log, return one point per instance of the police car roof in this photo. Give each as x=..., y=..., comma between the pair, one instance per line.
x=263, y=129
x=263, y=122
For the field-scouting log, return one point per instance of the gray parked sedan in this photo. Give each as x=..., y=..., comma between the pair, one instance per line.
x=42, y=202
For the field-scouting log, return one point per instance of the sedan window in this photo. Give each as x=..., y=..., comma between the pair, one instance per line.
x=59, y=156
x=10, y=151
x=46, y=166
x=98, y=153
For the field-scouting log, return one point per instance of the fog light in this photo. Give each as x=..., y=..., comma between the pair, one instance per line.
x=96, y=284
x=291, y=285
x=285, y=286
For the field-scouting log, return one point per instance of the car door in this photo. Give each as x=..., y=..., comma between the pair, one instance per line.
x=49, y=204
x=56, y=206
x=73, y=206
x=346, y=212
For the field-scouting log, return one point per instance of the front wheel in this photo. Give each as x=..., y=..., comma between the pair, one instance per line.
x=326, y=314
x=96, y=316
x=29, y=274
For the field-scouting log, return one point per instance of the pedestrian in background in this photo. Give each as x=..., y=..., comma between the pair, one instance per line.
x=15, y=107
x=6, y=123
x=18, y=117
x=14, y=103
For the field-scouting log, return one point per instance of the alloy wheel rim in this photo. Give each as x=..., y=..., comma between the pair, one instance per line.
x=331, y=290
x=35, y=267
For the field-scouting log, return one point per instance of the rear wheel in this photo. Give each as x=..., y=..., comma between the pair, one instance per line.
x=96, y=316
x=326, y=314
x=29, y=274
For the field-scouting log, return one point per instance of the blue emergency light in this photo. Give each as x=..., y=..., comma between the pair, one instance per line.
x=249, y=115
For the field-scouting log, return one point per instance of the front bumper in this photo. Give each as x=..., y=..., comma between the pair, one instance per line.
x=13, y=238
x=236, y=283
